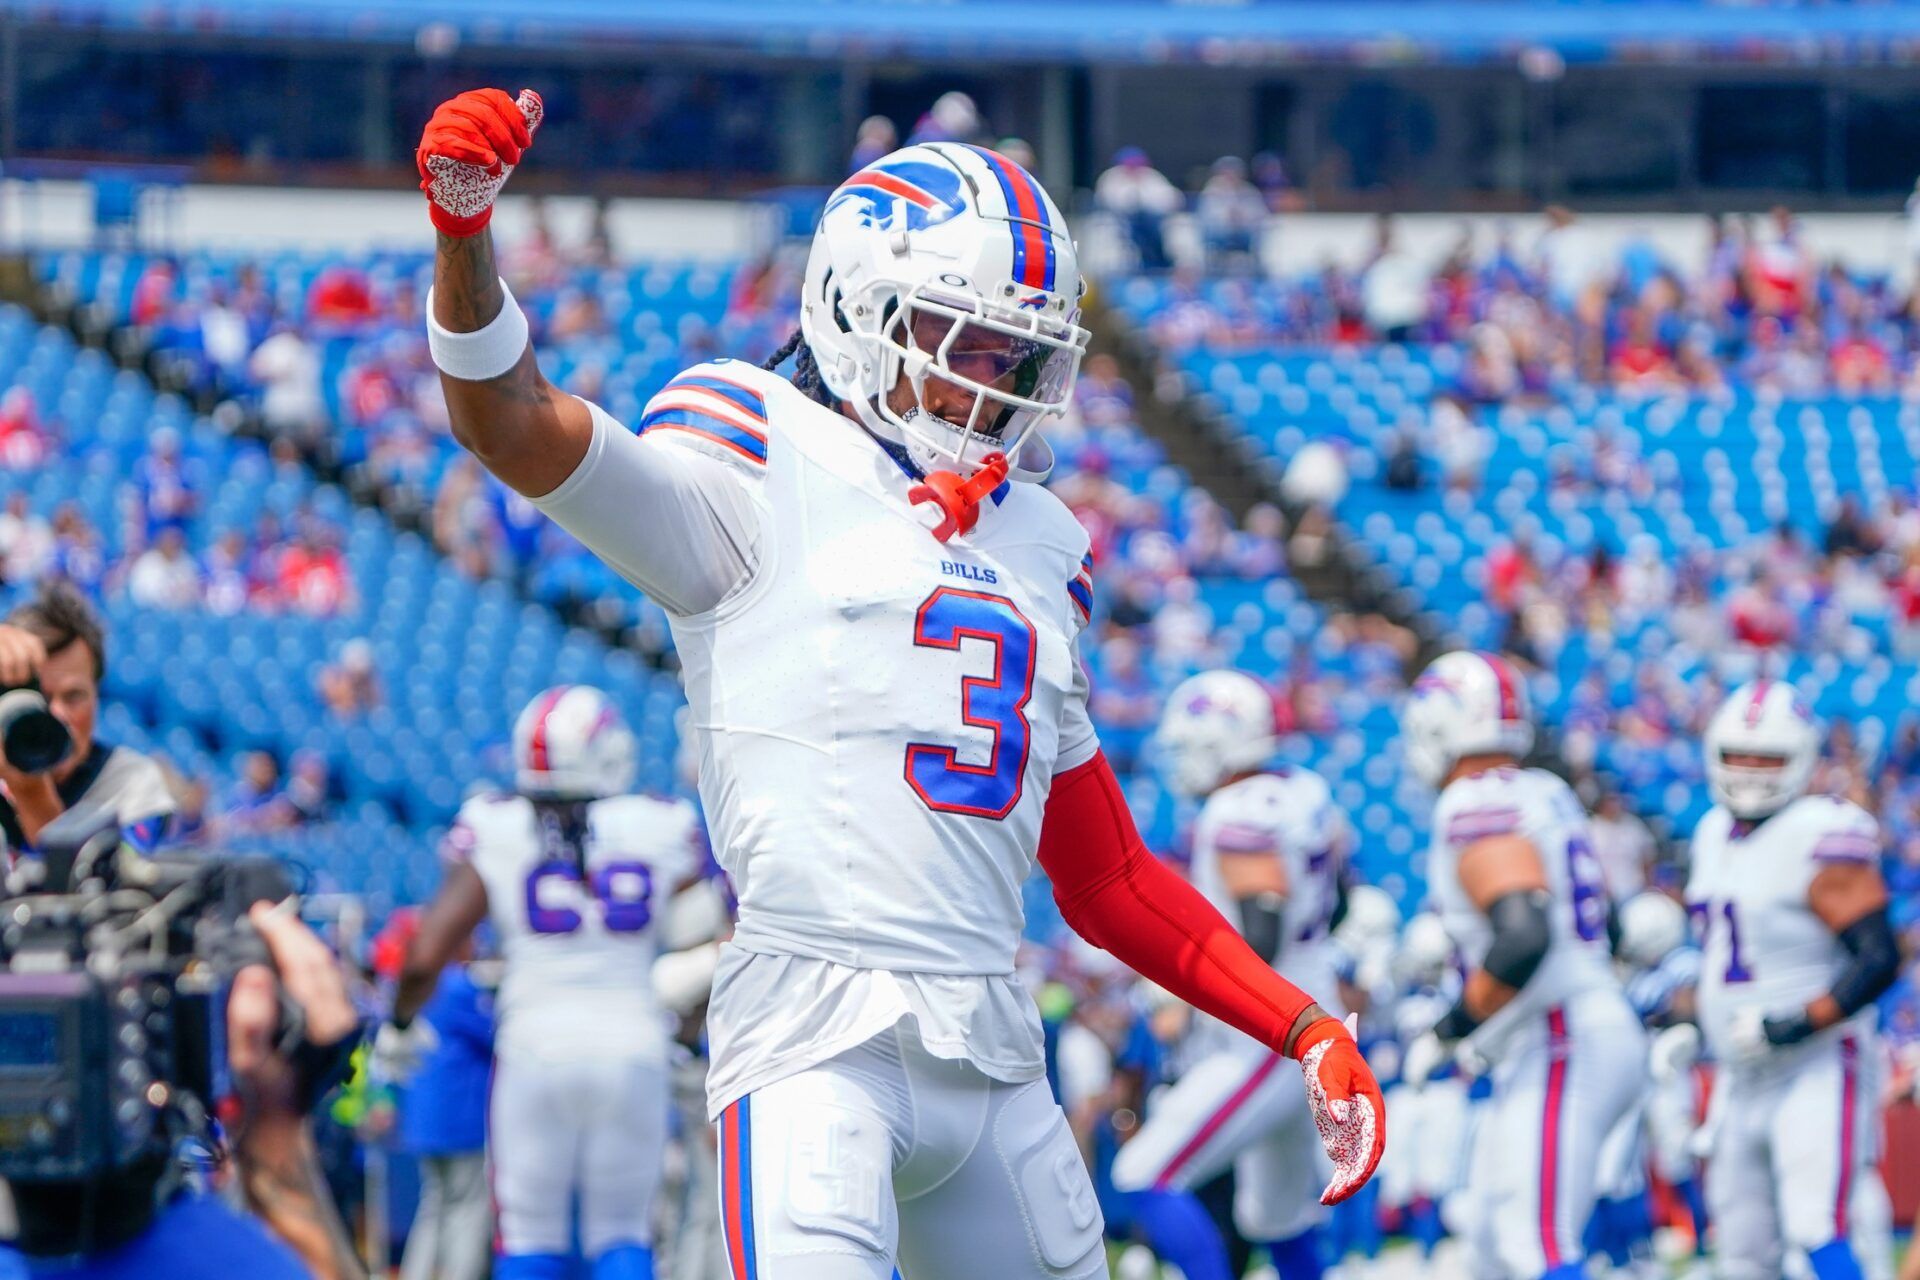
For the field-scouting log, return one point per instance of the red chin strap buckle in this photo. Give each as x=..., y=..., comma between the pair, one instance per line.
x=959, y=500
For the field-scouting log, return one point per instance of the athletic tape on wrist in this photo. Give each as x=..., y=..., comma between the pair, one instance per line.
x=485, y=353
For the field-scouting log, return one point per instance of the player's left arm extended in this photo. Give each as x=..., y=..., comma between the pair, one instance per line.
x=1117, y=895
x=1851, y=899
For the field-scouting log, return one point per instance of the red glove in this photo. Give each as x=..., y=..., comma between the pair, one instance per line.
x=467, y=150
x=1347, y=1107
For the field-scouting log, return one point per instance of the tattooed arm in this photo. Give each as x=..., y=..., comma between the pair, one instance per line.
x=279, y=1167
x=520, y=426
x=284, y=1184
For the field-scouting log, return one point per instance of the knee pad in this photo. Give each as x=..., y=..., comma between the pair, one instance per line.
x=1050, y=1177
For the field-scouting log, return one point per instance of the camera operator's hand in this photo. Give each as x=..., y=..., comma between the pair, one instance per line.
x=313, y=980
x=278, y=1163
x=21, y=655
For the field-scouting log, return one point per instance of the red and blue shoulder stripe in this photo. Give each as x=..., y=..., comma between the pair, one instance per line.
x=1081, y=588
x=721, y=410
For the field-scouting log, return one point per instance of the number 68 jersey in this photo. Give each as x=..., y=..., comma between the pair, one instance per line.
x=1540, y=807
x=579, y=945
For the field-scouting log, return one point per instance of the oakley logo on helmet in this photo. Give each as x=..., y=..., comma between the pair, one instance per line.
x=905, y=195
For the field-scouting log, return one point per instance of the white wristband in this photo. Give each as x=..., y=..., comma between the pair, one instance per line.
x=485, y=353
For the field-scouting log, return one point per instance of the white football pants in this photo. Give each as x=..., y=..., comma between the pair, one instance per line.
x=1790, y=1148
x=887, y=1153
x=1559, y=1089
x=557, y=1125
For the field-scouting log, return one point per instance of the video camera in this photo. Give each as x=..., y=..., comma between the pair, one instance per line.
x=114, y=971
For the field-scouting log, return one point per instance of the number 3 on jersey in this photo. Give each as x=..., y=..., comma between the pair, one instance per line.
x=997, y=702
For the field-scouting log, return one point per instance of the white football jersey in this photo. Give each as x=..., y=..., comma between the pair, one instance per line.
x=1539, y=806
x=1288, y=814
x=879, y=719
x=579, y=942
x=1764, y=948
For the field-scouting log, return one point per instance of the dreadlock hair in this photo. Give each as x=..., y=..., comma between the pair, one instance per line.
x=806, y=374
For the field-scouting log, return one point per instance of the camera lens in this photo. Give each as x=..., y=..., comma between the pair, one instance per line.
x=31, y=737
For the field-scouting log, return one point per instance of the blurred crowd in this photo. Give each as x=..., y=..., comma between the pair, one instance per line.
x=161, y=557
x=1532, y=319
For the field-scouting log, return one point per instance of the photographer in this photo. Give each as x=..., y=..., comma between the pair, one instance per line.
x=53, y=649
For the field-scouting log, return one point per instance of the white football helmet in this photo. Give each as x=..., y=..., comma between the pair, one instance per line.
x=1464, y=704
x=947, y=261
x=1372, y=920
x=1215, y=724
x=572, y=744
x=1426, y=952
x=1767, y=719
x=1651, y=926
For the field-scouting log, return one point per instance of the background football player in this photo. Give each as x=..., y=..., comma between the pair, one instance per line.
x=1662, y=968
x=875, y=608
x=573, y=873
x=1513, y=878
x=1269, y=848
x=1786, y=889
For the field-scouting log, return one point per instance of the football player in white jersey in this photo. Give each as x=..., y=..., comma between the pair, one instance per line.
x=1513, y=877
x=875, y=604
x=1786, y=891
x=573, y=873
x=1662, y=969
x=1269, y=848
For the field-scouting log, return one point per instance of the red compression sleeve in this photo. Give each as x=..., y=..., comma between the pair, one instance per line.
x=1121, y=898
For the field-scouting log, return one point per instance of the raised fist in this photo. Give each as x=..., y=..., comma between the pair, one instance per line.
x=466, y=152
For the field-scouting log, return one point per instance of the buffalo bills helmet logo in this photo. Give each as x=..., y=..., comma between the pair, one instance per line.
x=904, y=196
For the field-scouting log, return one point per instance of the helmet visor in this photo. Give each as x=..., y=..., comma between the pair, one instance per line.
x=992, y=373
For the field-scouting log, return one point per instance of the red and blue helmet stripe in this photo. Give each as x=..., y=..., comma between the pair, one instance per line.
x=1031, y=224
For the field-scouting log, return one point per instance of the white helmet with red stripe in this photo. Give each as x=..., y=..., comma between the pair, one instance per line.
x=947, y=261
x=1464, y=704
x=572, y=744
x=1215, y=724
x=1770, y=733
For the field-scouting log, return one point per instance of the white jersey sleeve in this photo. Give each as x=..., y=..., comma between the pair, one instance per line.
x=1764, y=949
x=674, y=509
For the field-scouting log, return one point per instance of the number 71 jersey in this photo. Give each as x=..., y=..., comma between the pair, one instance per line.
x=1765, y=950
x=1538, y=806
x=880, y=714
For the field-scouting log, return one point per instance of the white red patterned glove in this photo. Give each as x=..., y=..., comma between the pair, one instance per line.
x=1345, y=1100
x=466, y=152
